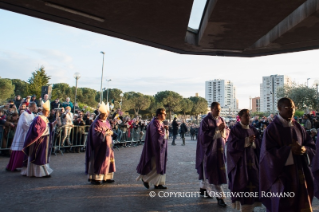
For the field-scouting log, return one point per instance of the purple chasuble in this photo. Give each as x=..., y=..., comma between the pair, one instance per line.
x=155, y=145
x=98, y=145
x=276, y=177
x=213, y=149
x=315, y=168
x=243, y=163
x=42, y=149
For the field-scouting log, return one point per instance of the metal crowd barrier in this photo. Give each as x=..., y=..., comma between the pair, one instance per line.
x=6, y=138
x=132, y=141
x=76, y=138
x=68, y=137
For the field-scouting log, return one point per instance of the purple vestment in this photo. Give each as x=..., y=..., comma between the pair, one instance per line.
x=213, y=149
x=42, y=149
x=243, y=163
x=155, y=145
x=98, y=145
x=277, y=177
x=315, y=168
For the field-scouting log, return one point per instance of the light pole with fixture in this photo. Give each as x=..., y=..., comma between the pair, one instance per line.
x=101, y=95
x=107, y=94
x=77, y=76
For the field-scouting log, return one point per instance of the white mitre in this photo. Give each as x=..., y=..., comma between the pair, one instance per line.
x=104, y=108
x=46, y=106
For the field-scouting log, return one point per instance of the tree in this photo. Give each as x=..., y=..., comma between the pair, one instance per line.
x=186, y=106
x=6, y=89
x=258, y=113
x=170, y=99
x=114, y=94
x=139, y=101
x=199, y=105
x=39, y=78
x=303, y=96
x=154, y=106
x=20, y=87
x=61, y=90
x=87, y=96
x=126, y=104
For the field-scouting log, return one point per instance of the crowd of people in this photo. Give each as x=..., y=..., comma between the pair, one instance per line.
x=129, y=131
x=72, y=125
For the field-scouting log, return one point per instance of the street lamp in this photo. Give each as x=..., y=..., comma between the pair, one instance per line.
x=121, y=95
x=107, y=94
x=308, y=82
x=101, y=96
x=77, y=76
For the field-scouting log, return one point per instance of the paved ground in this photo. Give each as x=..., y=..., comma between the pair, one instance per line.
x=69, y=190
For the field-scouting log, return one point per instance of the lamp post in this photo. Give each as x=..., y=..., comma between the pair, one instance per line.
x=103, y=89
x=101, y=96
x=107, y=94
x=77, y=76
x=121, y=95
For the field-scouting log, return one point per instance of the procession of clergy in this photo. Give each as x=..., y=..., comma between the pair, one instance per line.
x=283, y=161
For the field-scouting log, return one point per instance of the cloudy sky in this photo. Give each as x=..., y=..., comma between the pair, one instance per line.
x=27, y=43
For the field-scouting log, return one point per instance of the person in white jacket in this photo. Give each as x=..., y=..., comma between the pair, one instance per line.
x=25, y=120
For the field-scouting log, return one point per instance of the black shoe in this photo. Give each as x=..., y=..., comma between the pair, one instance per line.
x=160, y=187
x=96, y=182
x=146, y=185
x=221, y=202
x=47, y=176
x=108, y=181
x=202, y=191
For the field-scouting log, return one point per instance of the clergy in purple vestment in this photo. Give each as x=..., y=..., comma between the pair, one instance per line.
x=152, y=165
x=286, y=153
x=315, y=168
x=25, y=120
x=210, y=154
x=100, y=162
x=243, y=147
x=37, y=146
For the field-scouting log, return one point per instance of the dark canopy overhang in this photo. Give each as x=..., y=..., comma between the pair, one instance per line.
x=228, y=28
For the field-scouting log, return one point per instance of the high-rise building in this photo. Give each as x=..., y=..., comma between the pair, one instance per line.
x=268, y=91
x=255, y=102
x=222, y=91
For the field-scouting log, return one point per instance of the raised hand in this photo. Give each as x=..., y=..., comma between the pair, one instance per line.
x=221, y=127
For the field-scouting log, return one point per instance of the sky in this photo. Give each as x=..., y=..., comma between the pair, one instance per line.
x=26, y=43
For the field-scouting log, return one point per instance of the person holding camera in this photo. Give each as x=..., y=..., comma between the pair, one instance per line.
x=79, y=121
x=67, y=121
